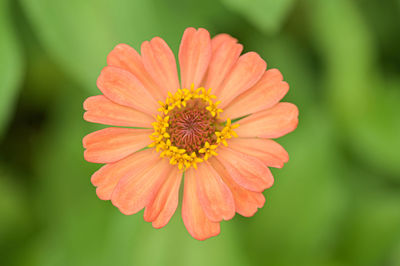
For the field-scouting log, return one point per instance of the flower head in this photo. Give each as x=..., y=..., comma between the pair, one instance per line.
x=214, y=128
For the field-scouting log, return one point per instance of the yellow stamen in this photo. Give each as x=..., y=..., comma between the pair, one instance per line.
x=161, y=138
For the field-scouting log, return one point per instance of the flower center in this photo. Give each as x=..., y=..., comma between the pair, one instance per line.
x=189, y=129
x=192, y=126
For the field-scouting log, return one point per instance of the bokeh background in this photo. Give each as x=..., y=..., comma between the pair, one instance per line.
x=337, y=201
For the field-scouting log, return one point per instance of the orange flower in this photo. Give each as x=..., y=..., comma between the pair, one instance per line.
x=188, y=129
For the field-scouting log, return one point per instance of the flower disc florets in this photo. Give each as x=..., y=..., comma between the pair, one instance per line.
x=189, y=129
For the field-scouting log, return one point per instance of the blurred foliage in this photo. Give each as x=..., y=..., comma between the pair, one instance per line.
x=10, y=67
x=266, y=15
x=337, y=201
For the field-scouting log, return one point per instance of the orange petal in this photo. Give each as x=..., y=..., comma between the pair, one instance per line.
x=196, y=222
x=246, y=170
x=101, y=110
x=220, y=39
x=214, y=196
x=245, y=73
x=125, y=57
x=136, y=190
x=108, y=176
x=225, y=53
x=165, y=203
x=112, y=144
x=268, y=151
x=246, y=202
x=121, y=87
x=271, y=123
x=268, y=91
x=194, y=56
x=160, y=63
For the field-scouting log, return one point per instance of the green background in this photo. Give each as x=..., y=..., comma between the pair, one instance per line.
x=337, y=201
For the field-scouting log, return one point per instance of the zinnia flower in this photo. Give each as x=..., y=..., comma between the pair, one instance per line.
x=188, y=129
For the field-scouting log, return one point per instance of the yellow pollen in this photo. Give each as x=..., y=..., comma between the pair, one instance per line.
x=161, y=138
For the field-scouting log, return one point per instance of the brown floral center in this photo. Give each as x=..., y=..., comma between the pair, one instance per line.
x=189, y=129
x=192, y=126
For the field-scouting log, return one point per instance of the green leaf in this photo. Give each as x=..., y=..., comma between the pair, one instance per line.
x=12, y=205
x=17, y=221
x=267, y=15
x=72, y=215
x=374, y=221
x=363, y=100
x=10, y=66
x=80, y=34
x=238, y=119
